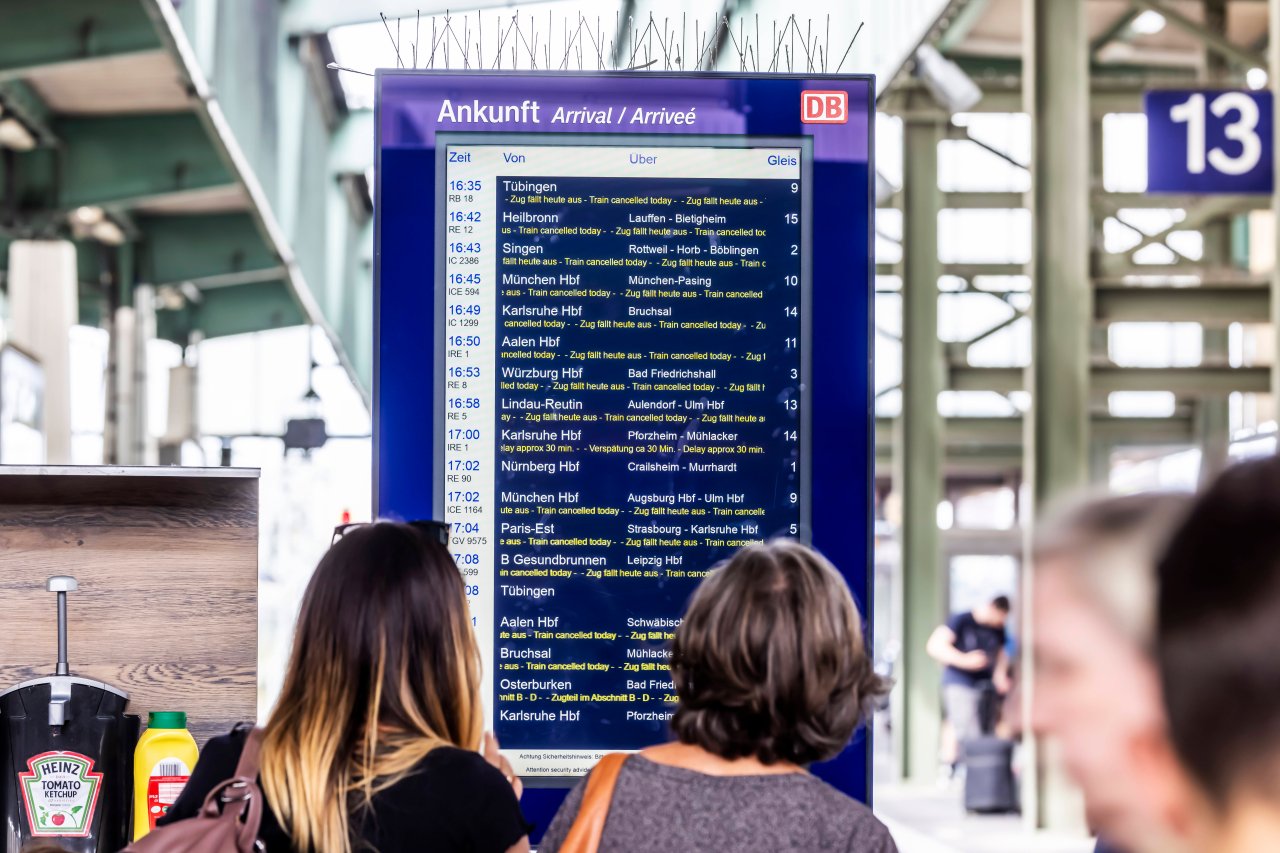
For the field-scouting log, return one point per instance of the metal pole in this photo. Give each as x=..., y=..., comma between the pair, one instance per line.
x=919, y=451
x=42, y=284
x=1100, y=447
x=63, y=663
x=1213, y=414
x=1273, y=52
x=1056, y=93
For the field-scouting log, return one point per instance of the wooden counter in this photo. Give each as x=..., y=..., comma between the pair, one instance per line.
x=167, y=562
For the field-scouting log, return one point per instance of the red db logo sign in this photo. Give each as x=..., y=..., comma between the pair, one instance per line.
x=821, y=107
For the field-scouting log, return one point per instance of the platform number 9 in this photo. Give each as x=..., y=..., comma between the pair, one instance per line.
x=1243, y=130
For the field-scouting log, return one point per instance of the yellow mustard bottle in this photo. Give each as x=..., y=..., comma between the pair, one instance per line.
x=162, y=764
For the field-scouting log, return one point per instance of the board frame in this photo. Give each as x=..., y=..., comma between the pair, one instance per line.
x=840, y=323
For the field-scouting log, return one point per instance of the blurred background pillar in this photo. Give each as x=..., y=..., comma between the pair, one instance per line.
x=1056, y=446
x=1212, y=411
x=128, y=435
x=919, y=447
x=43, y=303
x=1273, y=56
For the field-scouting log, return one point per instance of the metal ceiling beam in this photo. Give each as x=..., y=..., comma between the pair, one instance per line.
x=1208, y=211
x=1214, y=41
x=1105, y=203
x=963, y=270
x=972, y=200
x=1111, y=202
x=69, y=31
x=1114, y=268
x=1188, y=381
x=962, y=461
x=234, y=310
x=175, y=249
x=18, y=98
x=962, y=24
x=996, y=66
x=1212, y=306
x=1000, y=97
x=124, y=160
x=960, y=432
x=1118, y=29
x=984, y=200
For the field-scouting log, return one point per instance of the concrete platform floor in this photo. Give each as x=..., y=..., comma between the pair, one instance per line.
x=932, y=820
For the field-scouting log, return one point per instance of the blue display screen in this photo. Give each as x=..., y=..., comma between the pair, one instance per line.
x=623, y=329
x=649, y=376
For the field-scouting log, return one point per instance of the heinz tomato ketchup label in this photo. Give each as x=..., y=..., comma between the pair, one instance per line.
x=60, y=791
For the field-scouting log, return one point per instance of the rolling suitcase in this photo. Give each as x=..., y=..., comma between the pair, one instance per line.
x=989, y=786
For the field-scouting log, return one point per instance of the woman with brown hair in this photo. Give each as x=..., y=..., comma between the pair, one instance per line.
x=373, y=741
x=772, y=675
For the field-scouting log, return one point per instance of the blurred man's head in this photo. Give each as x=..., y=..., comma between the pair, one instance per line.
x=1097, y=688
x=1219, y=652
x=993, y=614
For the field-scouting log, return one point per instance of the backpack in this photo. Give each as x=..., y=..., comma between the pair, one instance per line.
x=229, y=820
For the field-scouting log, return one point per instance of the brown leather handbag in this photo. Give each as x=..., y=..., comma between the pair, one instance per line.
x=228, y=821
x=588, y=826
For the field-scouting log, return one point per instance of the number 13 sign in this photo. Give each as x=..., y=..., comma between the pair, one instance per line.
x=1209, y=142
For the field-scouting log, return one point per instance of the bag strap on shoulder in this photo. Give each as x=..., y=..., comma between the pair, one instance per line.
x=248, y=765
x=588, y=827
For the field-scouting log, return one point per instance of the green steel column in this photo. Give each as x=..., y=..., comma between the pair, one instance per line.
x=1213, y=411
x=1100, y=446
x=918, y=448
x=1056, y=94
x=1273, y=54
x=1100, y=450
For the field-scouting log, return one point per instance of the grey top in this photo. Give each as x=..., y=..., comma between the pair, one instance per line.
x=667, y=809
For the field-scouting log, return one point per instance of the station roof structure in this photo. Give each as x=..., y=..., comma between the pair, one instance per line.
x=208, y=148
x=1082, y=258
x=151, y=133
x=1133, y=46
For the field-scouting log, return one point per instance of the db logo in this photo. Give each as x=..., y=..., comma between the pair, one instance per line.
x=820, y=107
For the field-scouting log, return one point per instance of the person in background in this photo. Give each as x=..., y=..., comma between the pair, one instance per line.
x=971, y=648
x=1218, y=646
x=772, y=674
x=373, y=741
x=1096, y=689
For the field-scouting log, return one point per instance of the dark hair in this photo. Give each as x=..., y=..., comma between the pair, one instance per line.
x=1218, y=632
x=384, y=669
x=769, y=660
x=1001, y=603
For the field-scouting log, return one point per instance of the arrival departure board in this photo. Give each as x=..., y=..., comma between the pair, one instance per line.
x=622, y=326
x=624, y=353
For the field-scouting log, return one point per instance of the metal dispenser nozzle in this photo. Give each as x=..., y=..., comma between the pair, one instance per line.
x=60, y=689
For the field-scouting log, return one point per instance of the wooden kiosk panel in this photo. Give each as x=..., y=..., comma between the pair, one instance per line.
x=167, y=563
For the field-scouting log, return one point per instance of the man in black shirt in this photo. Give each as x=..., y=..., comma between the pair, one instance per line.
x=971, y=646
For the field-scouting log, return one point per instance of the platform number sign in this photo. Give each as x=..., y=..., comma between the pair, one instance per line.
x=1209, y=142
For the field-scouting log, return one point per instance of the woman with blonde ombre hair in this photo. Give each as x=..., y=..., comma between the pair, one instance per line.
x=373, y=741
